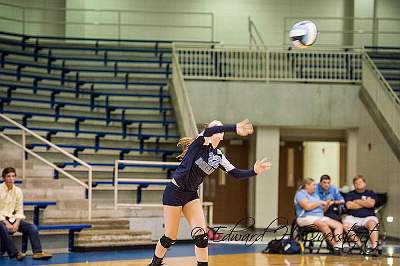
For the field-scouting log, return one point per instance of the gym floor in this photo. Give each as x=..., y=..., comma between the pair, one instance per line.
x=220, y=254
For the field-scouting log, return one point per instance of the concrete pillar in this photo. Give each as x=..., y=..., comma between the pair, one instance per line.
x=348, y=24
x=351, y=136
x=266, y=184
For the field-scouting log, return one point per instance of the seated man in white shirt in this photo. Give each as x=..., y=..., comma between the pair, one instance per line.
x=12, y=219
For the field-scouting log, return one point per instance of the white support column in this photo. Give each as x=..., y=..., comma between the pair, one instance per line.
x=267, y=184
x=351, y=155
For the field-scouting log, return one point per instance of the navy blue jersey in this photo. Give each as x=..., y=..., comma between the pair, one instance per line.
x=202, y=159
x=362, y=212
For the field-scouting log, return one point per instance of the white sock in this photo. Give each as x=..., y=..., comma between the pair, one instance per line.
x=338, y=245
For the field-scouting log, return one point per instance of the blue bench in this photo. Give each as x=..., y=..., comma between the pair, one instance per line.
x=64, y=58
x=92, y=105
x=77, y=81
x=37, y=46
x=72, y=228
x=53, y=131
x=66, y=69
x=392, y=78
x=140, y=186
x=158, y=52
x=79, y=119
x=391, y=67
x=37, y=206
x=122, y=151
x=98, y=48
x=384, y=56
x=120, y=166
x=78, y=91
x=26, y=37
x=17, y=181
x=57, y=116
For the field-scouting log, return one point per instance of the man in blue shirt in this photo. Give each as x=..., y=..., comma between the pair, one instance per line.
x=332, y=196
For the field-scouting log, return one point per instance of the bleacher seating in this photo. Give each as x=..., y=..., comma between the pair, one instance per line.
x=99, y=98
x=71, y=228
x=387, y=59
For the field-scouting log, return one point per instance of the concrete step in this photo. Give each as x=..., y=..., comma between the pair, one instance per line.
x=73, y=192
x=114, y=244
x=66, y=204
x=98, y=235
x=32, y=170
x=51, y=212
x=111, y=237
x=34, y=183
x=116, y=232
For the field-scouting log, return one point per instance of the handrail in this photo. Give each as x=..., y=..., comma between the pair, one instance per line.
x=117, y=22
x=52, y=145
x=252, y=26
x=187, y=117
x=184, y=111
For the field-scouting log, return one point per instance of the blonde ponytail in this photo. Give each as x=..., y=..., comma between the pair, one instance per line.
x=183, y=144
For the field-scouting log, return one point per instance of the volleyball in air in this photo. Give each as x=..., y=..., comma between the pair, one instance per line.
x=303, y=34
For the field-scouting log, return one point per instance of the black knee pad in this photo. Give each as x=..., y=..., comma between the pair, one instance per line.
x=201, y=241
x=166, y=242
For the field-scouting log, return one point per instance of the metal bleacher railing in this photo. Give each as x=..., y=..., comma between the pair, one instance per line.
x=269, y=64
x=24, y=132
x=36, y=46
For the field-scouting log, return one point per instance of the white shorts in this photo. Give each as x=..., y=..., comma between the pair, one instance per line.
x=309, y=220
x=359, y=221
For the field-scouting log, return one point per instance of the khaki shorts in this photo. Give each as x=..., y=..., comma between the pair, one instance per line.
x=309, y=220
x=359, y=221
